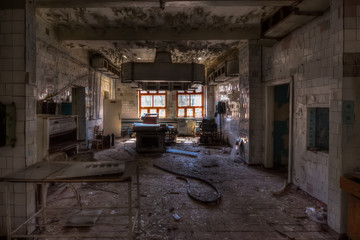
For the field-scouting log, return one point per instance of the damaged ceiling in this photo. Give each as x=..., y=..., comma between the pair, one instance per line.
x=193, y=31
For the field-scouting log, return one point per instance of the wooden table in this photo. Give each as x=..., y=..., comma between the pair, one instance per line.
x=43, y=173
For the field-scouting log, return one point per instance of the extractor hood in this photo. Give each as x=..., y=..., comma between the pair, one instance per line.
x=163, y=74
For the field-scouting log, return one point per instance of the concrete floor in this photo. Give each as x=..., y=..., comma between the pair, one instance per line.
x=248, y=208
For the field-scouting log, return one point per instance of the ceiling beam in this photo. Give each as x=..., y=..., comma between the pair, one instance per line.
x=87, y=33
x=156, y=3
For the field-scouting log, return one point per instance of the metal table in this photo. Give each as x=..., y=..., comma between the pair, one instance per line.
x=43, y=173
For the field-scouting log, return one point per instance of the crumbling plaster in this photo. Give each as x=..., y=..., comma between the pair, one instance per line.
x=178, y=19
x=59, y=67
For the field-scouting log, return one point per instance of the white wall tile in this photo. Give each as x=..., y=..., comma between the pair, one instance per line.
x=2, y=163
x=18, y=14
x=19, y=77
x=18, y=27
x=18, y=89
x=5, y=27
x=18, y=39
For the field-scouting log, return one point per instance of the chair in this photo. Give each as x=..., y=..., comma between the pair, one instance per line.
x=97, y=138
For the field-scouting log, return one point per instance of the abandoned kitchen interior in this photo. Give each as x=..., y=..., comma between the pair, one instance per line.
x=169, y=119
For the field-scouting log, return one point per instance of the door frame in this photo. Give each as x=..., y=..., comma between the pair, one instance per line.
x=269, y=124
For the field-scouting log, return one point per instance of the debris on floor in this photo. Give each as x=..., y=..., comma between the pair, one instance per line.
x=176, y=217
x=192, y=154
x=84, y=218
x=130, y=151
x=316, y=214
x=282, y=190
x=248, y=208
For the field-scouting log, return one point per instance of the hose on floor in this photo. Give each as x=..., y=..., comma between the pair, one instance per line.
x=185, y=177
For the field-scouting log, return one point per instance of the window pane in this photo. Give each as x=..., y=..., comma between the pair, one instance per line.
x=181, y=91
x=159, y=101
x=190, y=91
x=161, y=91
x=189, y=112
x=183, y=100
x=198, y=112
x=146, y=101
x=199, y=89
x=196, y=100
x=152, y=91
x=143, y=91
x=152, y=110
x=162, y=113
x=143, y=111
x=181, y=112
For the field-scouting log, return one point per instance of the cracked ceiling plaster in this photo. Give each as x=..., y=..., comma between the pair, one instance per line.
x=177, y=19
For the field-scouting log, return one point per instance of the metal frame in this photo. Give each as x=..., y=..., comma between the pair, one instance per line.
x=190, y=93
x=42, y=212
x=153, y=94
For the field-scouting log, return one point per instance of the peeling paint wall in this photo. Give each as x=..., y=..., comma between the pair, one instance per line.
x=244, y=98
x=59, y=68
x=56, y=66
x=229, y=93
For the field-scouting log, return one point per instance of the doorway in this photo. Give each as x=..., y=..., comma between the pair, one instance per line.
x=278, y=126
x=281, y=125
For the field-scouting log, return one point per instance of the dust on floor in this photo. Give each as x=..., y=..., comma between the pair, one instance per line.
x=248, y=209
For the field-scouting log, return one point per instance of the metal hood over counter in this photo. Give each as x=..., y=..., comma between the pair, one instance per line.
x=164, y=71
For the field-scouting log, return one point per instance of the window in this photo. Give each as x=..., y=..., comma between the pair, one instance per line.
x=318, y=138
x=190, y=103
x=153, y=102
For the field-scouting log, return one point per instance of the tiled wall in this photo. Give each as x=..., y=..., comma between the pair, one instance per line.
x=310, y=56
x=256, y=124
x=246, y=100
x=129, y=99
x=229, y=93
x=58, y=66
x=344, y=155
x=17, y=84
x=130, y=102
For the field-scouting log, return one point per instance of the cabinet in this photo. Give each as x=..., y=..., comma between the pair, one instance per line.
x=351, y=184
x=55, y=134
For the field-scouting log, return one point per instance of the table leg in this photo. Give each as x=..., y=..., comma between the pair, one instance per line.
x=130, y=213
x=43, y=201
x=138, y=196
x=8, y=210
